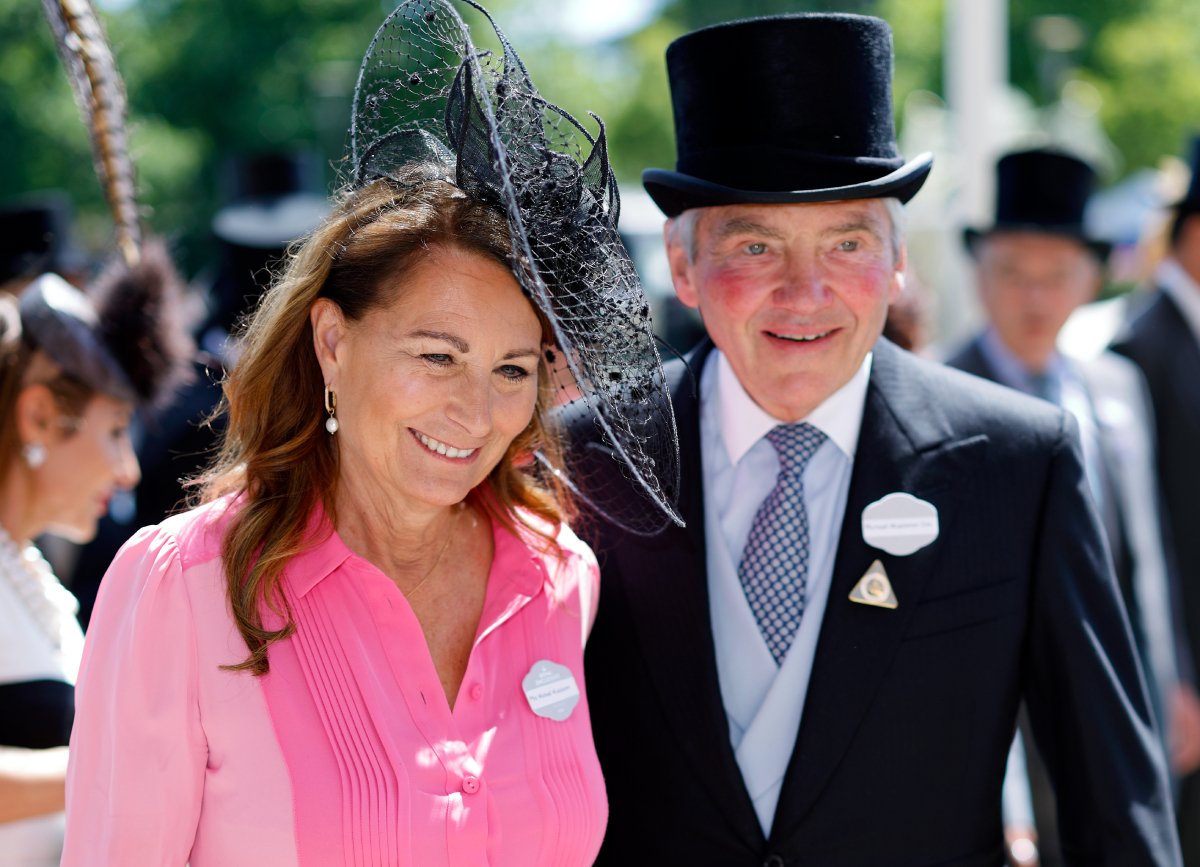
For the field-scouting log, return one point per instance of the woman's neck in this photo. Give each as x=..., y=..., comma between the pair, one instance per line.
x=15, y=511
x=402, y=542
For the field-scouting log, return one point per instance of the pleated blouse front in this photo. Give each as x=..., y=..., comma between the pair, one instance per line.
x=347, y=752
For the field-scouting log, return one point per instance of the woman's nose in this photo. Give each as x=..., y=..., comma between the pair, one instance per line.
x=129, y=472
x=471, y=406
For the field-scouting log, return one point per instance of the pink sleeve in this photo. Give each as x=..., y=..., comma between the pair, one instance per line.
x=583, y=561
x=138, y=753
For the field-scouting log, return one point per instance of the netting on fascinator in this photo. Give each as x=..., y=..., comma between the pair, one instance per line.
x=427, y=94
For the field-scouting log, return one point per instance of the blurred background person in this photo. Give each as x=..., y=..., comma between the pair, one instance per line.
x=1035, y=265
x=272, y=199
x=1164, y=341
x=72, y=371
x=909, y=318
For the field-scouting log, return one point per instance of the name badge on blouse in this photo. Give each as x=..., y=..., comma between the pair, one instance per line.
x=551, y=690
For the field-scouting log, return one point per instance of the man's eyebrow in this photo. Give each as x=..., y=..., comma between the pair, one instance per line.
x=454, y=340
x=856, y=223
x=747, y=226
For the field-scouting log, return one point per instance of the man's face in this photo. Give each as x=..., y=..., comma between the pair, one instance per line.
x=794, y=295
x=1187, y=247
x=1029, y=284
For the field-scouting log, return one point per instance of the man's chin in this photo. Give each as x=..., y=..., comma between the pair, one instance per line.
x=77, y=534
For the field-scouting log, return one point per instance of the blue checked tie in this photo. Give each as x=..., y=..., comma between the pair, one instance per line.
x=774, y=567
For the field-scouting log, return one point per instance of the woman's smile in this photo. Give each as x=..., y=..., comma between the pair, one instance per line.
x=444, y=450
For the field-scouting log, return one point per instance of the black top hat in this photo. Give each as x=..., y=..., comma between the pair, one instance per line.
x=790, y=108
x=273, y=199
x=35, y=236
x=1044, y=191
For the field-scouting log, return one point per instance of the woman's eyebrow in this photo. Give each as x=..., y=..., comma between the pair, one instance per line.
x=453, y=339
x=521, y=353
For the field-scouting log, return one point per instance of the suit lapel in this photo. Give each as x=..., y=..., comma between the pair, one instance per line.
x=1182, y=341
x=903, y=446
x=666, y=585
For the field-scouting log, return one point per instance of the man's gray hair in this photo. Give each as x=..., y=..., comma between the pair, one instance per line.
x=681, y=230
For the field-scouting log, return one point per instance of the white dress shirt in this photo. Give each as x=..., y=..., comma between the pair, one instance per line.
x=763, y=701
x=1184, y=291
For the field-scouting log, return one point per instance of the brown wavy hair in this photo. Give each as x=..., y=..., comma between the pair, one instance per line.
x=277, y=458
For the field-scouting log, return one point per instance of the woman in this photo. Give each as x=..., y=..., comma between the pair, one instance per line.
x=366, y=646
x=68, y=389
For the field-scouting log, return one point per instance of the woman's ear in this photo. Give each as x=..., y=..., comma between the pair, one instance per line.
x=329, y=332
x=37, y=414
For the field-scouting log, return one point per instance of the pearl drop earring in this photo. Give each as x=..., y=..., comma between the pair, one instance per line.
x=331, y=423
x=34, y=454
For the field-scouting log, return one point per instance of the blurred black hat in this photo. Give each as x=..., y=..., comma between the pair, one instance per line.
x=791, y=108
x=125, y=338
x=35, y=236
x=1044, y=191
x=273, y=199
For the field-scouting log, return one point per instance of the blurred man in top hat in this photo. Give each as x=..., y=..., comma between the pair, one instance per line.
x=1034, y=267
x=36, y=237
x=1164, y=341
x=882, y=556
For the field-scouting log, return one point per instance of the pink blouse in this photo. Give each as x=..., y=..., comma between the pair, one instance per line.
x=347, y=751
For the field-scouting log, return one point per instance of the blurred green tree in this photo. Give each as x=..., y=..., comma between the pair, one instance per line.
x=208, y=78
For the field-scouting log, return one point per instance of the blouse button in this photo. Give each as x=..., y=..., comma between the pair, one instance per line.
x=476, y=691
x=470, y=784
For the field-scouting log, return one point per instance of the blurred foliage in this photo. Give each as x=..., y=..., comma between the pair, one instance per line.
x=210, y=78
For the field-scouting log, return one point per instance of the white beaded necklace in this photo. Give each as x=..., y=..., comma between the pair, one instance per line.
x=35, y=584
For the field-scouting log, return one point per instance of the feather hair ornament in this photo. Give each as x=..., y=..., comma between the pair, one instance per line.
x=138, y=298
x=100, y=95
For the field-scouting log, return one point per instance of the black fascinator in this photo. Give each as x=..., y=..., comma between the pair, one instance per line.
x=427, y=94
x=124, y=338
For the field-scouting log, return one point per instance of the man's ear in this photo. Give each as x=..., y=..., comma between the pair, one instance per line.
x=896, y=289
x=680, y=260
x=329, y=332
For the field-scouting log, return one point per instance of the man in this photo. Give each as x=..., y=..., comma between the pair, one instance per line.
x=1035, y=266
x=1164, y=341
x=882, y=557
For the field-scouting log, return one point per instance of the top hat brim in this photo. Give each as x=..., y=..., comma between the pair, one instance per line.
x=676, y=192
x=1100, y=249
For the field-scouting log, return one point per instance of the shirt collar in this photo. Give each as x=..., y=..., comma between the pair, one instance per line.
x=1011, y=371
x=323, y=553
x=1182, y=289
x=743, y=422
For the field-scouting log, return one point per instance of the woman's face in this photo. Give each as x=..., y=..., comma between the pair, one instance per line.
x=432, y=388
x=87, y=459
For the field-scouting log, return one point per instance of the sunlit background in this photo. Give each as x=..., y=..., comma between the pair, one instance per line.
x=1116, y=81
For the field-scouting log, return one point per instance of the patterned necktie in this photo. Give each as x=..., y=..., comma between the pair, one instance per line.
x=774, y=567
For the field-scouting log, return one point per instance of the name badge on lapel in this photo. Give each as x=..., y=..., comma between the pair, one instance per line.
x=900, y=524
